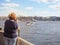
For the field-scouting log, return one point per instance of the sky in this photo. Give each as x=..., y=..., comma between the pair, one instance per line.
x=30, y=7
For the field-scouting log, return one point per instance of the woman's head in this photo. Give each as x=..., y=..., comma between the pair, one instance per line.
x=12, y=16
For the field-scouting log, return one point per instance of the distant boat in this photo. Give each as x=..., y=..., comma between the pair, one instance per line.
x=29, y=23
x=34, y=20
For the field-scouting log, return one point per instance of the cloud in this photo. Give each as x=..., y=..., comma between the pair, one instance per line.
x=41, y=13
x=9, y=4
x=38, y=1
x=46, y=13
x=45, y=1
x=7, y=8
x=55, y=6
x=5, y=11
x=3, y=8
x=28, y=8
x=8, y=0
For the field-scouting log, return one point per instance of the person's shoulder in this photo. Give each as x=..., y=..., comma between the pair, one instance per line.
x=6, y=20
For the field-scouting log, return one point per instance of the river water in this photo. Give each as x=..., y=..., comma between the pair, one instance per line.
x=40, y=32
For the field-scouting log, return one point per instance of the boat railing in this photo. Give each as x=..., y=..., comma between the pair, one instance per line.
x=20, y=41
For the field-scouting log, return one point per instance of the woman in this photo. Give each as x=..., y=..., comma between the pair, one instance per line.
x=10, y=28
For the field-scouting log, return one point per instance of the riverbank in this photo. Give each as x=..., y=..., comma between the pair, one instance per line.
x=35, y=18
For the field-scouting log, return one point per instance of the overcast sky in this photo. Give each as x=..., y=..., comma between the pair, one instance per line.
x=30, y=7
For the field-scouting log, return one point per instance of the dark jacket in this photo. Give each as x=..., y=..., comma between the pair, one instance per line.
x=10, y=29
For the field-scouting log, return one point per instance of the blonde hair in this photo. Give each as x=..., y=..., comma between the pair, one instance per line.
x=12, y=16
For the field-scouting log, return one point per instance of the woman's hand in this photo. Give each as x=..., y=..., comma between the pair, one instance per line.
x=18, y=28
x=18, y=31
